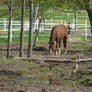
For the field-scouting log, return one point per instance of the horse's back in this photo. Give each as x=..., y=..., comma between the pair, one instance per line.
x=59, y=31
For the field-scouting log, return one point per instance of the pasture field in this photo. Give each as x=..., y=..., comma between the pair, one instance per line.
x=50, y=19
x=57, y=15
x=36, y=76
x=49, y=14
x=43, y=37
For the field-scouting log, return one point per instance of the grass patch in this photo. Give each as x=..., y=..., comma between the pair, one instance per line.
x=89, y=38
x=77, y=36
x=35, y=73
x=43, y=37
x=86, y=82
x=16, y=37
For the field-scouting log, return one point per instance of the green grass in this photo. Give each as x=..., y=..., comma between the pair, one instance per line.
x=57, y=15
x=89, y=37
x=86, y=82
x=43, y=37
x=77, y=36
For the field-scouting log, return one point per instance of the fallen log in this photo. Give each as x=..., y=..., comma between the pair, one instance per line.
x=54, y=60
x=68, y=60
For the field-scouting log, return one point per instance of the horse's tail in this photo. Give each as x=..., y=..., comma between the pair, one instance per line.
x=65, y=41
x=51, y=34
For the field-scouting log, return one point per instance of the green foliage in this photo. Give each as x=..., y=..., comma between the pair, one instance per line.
x=86, y=82
x=60, y=5
x=90, y=37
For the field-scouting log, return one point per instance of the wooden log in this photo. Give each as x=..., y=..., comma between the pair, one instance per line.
x=54, y=60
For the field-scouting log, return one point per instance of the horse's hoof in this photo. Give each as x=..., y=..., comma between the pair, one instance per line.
x=56, y=53
x=65, y=53
x=51, y=53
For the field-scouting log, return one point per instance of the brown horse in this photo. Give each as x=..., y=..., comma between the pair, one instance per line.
x=58, y=32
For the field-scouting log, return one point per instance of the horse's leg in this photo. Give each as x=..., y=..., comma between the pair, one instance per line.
x=53, y=48
x=59, y=47
x=65, y=44
x=56, y=47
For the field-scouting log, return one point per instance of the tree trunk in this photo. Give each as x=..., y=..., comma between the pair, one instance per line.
x=75, y=21
x=30, y=29
x=89, y=11
x=43, y=8
x=22, y=29
x=9, y=29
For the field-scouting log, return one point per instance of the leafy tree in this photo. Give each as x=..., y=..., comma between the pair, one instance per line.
x=74, y=5
x=88, y=8
x=83, y=4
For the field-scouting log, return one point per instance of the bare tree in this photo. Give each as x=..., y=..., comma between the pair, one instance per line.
x=30, y=29
x=43, y=9
x=22, y=29
x=9, y=27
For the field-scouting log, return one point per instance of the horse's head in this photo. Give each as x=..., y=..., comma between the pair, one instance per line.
x=51, y=47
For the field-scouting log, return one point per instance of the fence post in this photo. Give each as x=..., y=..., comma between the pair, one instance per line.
x=75, y=20
x=42, y=28
x=61, y=22
x=65, y=23
x=11, y=32
x=45, y=25
x=73, y=25
x=51, y=23
x=85, y=30
x=5, y=24
x=68, y=15
x=37, y=23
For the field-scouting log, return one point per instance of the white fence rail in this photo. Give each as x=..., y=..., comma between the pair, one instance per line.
x=45, y=25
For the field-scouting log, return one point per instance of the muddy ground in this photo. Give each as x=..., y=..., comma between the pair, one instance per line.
x=28, y=76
